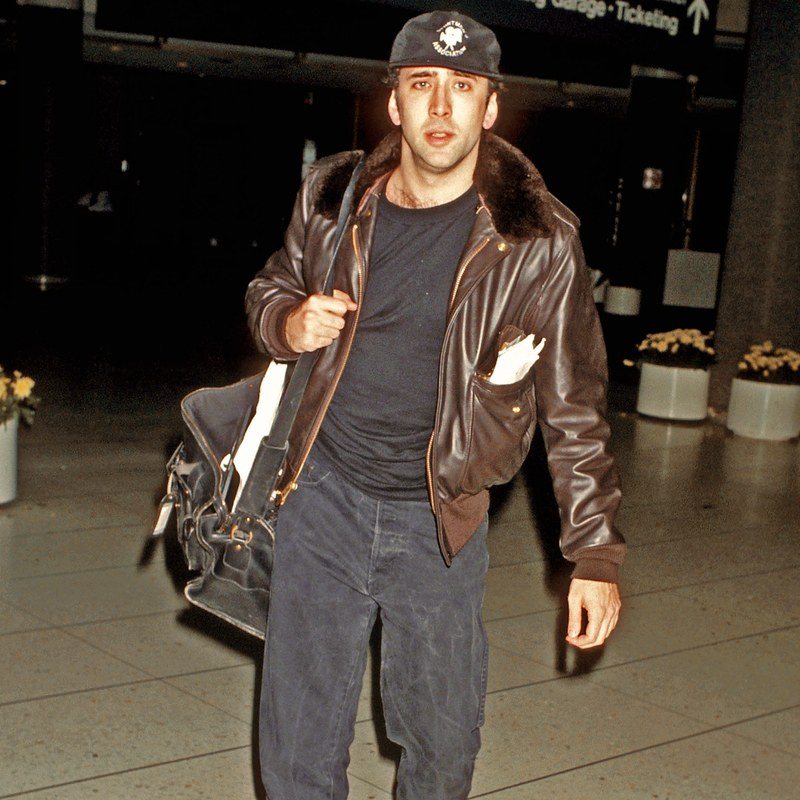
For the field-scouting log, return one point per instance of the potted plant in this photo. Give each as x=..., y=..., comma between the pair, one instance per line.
x=17, y=401
x=674, y=379
x=765, y=395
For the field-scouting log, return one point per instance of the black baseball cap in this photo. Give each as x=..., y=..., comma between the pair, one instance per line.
x=447, y=39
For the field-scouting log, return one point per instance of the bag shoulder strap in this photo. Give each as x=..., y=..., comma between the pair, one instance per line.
x=256, y=496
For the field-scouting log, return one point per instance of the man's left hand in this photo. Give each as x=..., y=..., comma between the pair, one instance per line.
x=602, y=604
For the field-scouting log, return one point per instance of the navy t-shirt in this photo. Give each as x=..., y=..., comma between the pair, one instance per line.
x=379, y=422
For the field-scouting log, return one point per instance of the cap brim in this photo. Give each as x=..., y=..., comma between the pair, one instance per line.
x=418, y=63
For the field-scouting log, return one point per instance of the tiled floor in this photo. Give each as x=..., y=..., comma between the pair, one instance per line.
x=112, y=688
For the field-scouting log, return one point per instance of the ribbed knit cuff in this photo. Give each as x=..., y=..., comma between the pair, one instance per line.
x=593, y=569
x=273, y=331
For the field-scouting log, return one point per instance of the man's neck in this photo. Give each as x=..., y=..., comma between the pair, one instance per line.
x=411, y=186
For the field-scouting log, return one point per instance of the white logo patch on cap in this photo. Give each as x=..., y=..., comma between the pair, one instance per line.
x=451, y=39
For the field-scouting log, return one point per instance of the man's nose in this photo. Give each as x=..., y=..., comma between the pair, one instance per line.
x=440, y=102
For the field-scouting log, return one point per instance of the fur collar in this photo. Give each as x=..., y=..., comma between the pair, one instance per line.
x=512, y=188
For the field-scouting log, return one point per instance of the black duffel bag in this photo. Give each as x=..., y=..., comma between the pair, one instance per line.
x=232, y=554
x=230, y=544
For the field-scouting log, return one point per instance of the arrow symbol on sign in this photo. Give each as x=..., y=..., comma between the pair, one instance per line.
x=700, y=10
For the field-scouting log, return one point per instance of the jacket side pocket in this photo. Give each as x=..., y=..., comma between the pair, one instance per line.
x=502, y=420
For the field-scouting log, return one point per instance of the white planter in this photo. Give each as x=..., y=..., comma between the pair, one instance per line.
x=8, y=460
x=623, y=300
x=673, y=392
x=764, y=410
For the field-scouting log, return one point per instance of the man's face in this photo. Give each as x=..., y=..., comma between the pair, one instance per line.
x=441, y=113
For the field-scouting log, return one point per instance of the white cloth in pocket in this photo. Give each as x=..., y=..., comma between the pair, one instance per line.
x=514, y=361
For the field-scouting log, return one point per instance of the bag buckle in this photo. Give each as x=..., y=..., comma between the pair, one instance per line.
x=237, y=534
x=277, y=495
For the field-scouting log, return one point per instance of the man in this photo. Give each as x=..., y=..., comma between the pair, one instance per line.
x=454, y=252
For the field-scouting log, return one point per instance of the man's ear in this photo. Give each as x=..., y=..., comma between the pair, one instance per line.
x=394, y=112
x=490, y=115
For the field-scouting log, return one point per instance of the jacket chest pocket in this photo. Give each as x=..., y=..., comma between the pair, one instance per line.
x=502, y=418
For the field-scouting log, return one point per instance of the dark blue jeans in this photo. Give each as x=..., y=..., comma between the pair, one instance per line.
x=342, y=558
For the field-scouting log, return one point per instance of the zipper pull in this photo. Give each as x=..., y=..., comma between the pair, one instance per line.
x=164, y=514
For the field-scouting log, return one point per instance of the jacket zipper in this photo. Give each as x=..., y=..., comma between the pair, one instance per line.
x=464, y=266
x=292, y=485
x=429, y=457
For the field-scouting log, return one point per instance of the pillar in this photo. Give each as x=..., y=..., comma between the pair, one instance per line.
x=760, y=290
x=654, y=159
x=48, y=65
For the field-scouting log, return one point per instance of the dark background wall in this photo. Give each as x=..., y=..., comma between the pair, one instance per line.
x=211, y=169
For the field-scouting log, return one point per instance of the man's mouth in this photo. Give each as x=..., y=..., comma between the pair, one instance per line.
x=438, y=138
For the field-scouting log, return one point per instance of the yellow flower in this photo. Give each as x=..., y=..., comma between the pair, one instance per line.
x=678, y=342
x=742, y=365
x=3, y=389
x=22, y=387
x=628, y=363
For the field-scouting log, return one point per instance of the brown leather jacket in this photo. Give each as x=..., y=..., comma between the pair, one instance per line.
x=523, y=271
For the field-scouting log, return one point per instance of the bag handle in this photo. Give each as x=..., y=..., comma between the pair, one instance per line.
x=257, y=495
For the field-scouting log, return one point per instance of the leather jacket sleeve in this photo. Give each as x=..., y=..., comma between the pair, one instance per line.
x=279, y=286
x=571, y=382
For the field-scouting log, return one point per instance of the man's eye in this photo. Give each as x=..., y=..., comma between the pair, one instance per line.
x=463, y=86
x=420, y=84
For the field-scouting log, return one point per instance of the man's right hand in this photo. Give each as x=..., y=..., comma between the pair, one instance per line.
x=317, y=321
